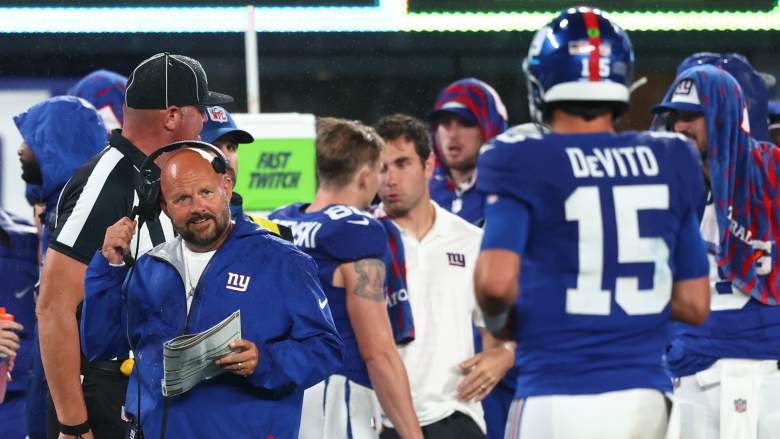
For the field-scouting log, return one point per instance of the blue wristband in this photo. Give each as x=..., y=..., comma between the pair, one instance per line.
x=495, y=323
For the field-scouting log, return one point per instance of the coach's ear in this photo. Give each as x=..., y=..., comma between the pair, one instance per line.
x=227, y=185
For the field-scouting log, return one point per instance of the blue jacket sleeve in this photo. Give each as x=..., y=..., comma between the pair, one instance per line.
x=103, y=317
x=313, y=348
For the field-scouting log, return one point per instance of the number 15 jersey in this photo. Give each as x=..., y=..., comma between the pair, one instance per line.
x=604, y=223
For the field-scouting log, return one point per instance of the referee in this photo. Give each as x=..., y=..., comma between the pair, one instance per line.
x=164, y=103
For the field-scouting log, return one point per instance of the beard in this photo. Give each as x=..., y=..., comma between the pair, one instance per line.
x=206, y=238
x=31, y=173
x=465, y=164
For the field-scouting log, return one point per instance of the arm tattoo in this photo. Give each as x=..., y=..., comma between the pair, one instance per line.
x=371, y=279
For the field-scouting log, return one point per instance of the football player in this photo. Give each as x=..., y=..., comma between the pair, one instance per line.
x=727, y=382
x=350, y=247
x=467, y=113
x=603, y=227
x=774, y=121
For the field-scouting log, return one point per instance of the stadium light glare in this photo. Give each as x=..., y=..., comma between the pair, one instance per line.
x=384, y=16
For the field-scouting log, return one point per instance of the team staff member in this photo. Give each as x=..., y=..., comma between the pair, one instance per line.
x=448, y=380
x=161, y=106
x=289, y=339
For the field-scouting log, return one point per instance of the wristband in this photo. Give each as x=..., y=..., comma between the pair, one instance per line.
x=75, y=430
x=495, y=323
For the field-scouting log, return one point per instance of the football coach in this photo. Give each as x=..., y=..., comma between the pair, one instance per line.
x=189, y=284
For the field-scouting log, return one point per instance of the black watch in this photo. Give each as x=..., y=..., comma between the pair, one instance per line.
x=75, y=430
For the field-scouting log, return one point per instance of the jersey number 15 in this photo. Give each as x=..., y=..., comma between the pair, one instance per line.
x=584, y=207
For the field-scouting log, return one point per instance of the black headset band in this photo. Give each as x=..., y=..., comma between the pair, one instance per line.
x=178, y=145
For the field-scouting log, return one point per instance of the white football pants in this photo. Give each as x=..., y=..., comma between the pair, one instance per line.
x=734, y=399
x=338, y=408
x=632, y=413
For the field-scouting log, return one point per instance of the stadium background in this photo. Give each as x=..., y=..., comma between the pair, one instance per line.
x=359, y=59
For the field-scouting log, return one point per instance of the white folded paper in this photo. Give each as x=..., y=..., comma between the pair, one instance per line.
x=189, y=359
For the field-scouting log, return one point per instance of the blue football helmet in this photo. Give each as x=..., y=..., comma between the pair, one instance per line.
x=579, y=56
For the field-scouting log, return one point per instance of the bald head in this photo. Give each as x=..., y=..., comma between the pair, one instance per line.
x=196, y=198
x=186, y=161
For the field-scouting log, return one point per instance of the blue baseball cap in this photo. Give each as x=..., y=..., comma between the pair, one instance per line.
x=684, y=99
x=452, y=107
x=220, y=123
x=774, y=109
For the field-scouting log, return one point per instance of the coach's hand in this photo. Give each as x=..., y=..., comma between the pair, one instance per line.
x=483, y=371
x=117, y=241
x=243, y=360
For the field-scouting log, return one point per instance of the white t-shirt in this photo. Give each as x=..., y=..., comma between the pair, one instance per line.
x=440, y=282
x=194, y=264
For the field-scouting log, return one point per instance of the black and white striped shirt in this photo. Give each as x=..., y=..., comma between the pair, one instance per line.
x=97, y=196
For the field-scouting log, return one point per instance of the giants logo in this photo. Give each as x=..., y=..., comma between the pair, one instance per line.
x=684, y=87
x=238, y=282
x=457, y=259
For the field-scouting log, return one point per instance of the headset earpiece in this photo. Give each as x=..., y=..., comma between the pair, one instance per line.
x=219, y=164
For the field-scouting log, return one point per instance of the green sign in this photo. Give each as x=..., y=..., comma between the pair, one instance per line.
x=276, y=172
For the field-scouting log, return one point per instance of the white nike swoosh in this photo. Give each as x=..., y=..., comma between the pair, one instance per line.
x=361, y=222
x=323, y=303
x=21, y=293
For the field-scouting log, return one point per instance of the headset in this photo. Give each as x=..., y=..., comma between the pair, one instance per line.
x=148, y=210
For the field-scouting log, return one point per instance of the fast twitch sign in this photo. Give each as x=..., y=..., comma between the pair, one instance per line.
x=279, y=167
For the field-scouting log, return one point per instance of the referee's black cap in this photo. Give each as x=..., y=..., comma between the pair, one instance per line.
x=166, y=79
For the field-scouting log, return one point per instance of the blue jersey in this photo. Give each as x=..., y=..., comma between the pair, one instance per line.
x=333, y=236
x=611, y=224
x=19, y=274
x=739, y=326
x=463, y=201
